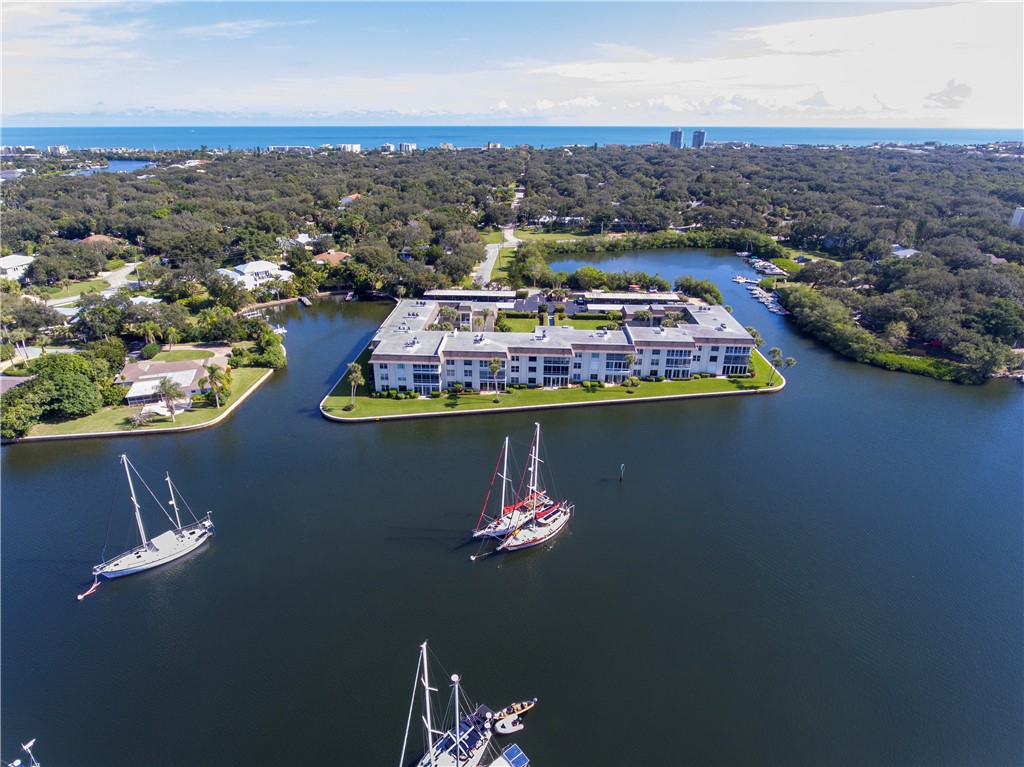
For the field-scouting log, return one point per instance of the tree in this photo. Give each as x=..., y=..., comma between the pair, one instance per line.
x=355, y=380
x=495, y=368
x=171, y=337
x=148, y=331
x=217, y=380
x=630, y=362
x=644, y=315
x=778, y=363
x=170, y=392
x=758, y=339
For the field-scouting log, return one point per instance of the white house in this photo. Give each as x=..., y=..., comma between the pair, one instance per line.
x=256, y=273
x=13, y=267
x=408, y=357
x=901, y=252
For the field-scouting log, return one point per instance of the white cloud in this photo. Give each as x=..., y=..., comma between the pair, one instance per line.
x=234, y=30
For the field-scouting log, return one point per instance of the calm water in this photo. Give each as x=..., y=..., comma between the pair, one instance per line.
x=115, y=166
x=371, y=137
x=829, y=575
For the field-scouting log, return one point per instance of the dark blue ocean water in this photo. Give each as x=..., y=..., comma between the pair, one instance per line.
x=247, y=137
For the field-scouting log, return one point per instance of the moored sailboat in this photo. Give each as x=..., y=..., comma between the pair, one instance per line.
x=160, y=549
x=465, y=743
x=540, y=520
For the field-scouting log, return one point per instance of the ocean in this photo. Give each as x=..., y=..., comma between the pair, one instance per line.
x=371, y=137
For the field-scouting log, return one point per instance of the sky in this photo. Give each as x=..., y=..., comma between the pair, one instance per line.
x=849, y=64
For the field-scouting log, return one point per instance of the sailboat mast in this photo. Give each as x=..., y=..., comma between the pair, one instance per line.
x=426, y=701
x=174, y=504
x=533, y=460
x=504, y=477
x=458, y=720
x=135, y=503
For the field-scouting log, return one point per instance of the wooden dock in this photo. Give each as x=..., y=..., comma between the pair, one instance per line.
x=305, y=301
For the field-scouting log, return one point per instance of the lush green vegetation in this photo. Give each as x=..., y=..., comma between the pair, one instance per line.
x=122, y=417
x=416, y=225
x=177, y=355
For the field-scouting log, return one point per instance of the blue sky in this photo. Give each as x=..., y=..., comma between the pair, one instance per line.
x=475, y=63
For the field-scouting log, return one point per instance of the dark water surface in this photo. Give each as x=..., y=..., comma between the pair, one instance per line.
x=829, y=575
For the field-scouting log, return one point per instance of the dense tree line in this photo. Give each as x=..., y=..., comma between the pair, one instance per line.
x=413, y=222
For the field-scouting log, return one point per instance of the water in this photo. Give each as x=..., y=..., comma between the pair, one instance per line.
x=829, y=575
x=371, y=137
x=115, y=166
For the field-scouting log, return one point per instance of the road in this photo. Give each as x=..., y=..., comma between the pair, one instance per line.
x=486, y=268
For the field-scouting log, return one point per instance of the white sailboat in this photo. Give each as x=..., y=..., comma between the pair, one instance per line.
x=465, y=743
x=160, y=549
x=541, y=519
x=508, y=514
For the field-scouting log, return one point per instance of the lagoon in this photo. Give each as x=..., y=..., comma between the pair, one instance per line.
x=828, y=575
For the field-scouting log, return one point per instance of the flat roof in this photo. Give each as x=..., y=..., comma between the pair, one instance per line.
x=470, y=295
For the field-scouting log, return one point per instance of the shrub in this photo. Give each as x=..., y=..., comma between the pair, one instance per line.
x=115, y=263
x=435, y=395
x=349, y=407
x=149, y=351
x=522, y=293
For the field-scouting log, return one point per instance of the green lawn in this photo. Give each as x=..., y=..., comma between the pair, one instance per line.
x=522, y=325
x=492, y=238
x=524, y=234
x=582, y=324
x=116, y=418
x=372, y=408
x=177, y=355
x=77, y=288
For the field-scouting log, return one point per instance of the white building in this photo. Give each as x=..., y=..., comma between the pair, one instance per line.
x=901, y=252
x=256, y=273
x=406, y=148
x=356, y=148
x=408, y=357
x=1018, y=217
x=57, y=149
x=387, y=147
x=13, y=267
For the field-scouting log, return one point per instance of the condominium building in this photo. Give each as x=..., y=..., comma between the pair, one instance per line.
x=406, y=148
x=676, y=139
x=407, y=356
x=699, y=138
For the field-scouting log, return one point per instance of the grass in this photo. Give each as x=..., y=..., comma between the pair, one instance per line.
x=522, y=325
x=492, y=238
x=178, y=355
x=77, y=289
x=788, y=265
x=582, y=324
x=523, y=234
x=116, y=418
x=373, y=408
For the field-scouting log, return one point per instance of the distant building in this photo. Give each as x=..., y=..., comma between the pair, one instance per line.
x=290, y=149
x=387, y=147
x=492, y=145
x=13, y=267
x=676, y=139
x=57, y=149
x=1018, y=217
x=356, y=148
x=256, y=273
x=901, y=252
x=447, y=146
x=699, y=138
x=406, y=148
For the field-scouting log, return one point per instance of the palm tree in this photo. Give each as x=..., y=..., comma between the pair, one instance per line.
x=171, y=337
x=495, y=367
x=148, y=330
x=776, y=360
x=169, y=392
x=217, y=379
x=758, y=340
x=355, y=379
x=487, y=315
x=630, y=362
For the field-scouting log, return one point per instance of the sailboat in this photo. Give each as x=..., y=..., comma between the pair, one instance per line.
x=539, y=518
x=745, y=253
x=509, y=514
x=465, y=743
x=160, y=549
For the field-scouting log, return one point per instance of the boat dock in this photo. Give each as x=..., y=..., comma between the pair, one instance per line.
x=305, y=301
x=762, y=296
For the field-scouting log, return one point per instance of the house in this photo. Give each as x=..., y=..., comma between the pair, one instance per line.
x=141, y=379
x=13, y=267
x=256, y=273
x=348, y=200
x=332, y=257
x=901, y=252
x=408, y=357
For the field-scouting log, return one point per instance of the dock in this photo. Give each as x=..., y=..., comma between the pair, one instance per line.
x=304, y=300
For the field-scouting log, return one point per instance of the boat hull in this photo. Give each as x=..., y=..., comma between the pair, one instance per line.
x=538, y=532
x=163, y=549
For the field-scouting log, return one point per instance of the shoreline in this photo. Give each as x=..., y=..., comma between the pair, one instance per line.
x=512, y=408
x=228, y=410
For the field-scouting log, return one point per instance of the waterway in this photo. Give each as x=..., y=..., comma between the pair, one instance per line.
x=831, y=575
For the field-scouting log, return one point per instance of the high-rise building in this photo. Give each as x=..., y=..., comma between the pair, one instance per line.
x=676, y=140
x=699, y=138
x=406, y=147
x=387, y=147
x=1018, y=217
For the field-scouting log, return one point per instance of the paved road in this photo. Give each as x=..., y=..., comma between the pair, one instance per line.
x=486, y=268
x=116, y=279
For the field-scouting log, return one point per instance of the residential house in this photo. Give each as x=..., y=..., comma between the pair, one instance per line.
x=256, y=273
x=13, y=267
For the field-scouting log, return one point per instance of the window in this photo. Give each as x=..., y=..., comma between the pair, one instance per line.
x=515, y=358
x=515, y=368
x=714, y=348
x=533, y=369
x=713, y=358
x=653, y=373
x=656, y=352
x=533, y=359
x=467, y=363
x=595, y=355
x=577, y=366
